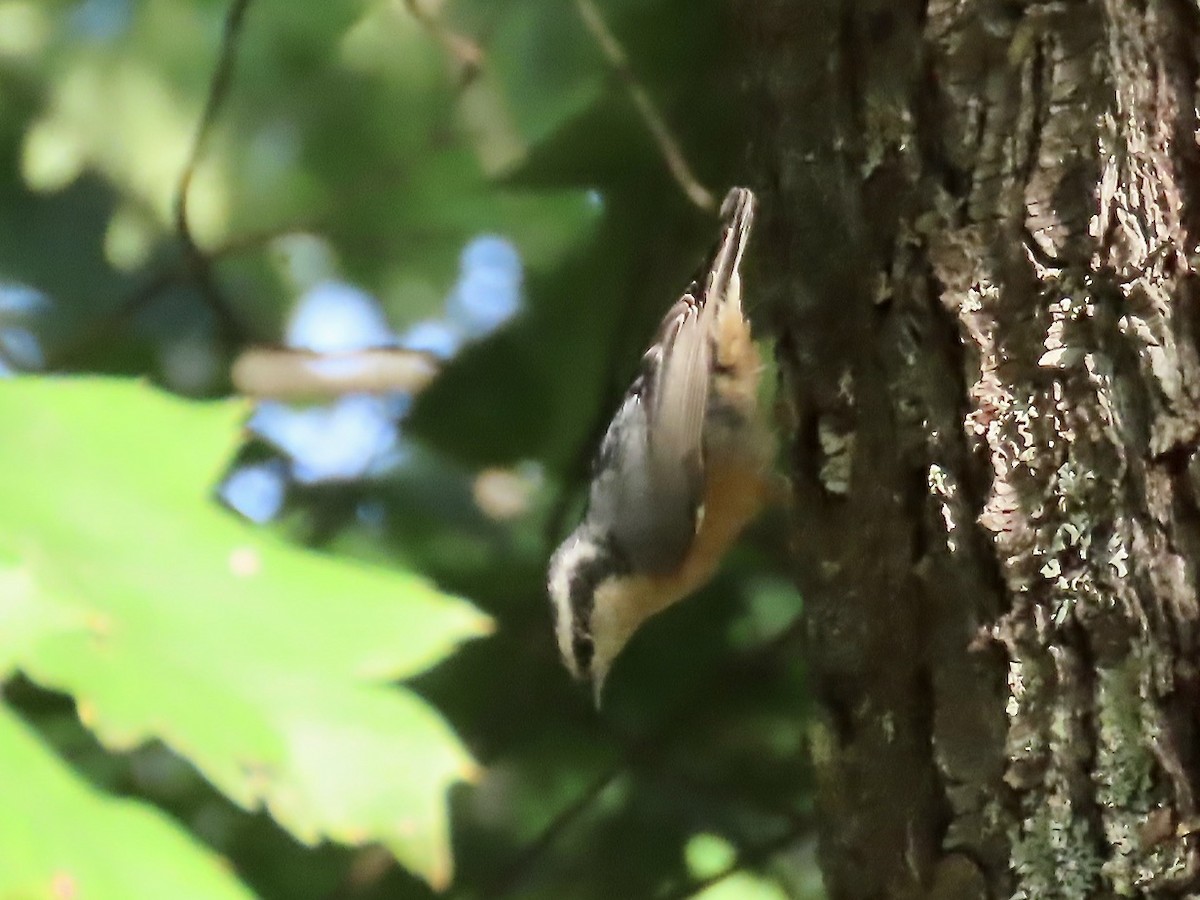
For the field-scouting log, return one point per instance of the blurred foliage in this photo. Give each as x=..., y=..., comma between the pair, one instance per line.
x=195, y=706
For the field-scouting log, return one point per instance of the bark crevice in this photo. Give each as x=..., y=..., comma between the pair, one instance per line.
x=994, y=354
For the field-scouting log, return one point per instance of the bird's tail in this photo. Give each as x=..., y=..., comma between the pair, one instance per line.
x=723, y=282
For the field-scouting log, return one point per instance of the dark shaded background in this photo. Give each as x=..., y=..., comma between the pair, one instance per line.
x=360, y=145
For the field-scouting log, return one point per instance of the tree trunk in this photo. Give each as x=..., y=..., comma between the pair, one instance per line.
x=980, y=225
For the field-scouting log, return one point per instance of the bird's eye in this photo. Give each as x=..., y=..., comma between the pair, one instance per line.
x=584, y=649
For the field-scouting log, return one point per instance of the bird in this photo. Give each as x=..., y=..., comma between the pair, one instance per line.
x=684, y=466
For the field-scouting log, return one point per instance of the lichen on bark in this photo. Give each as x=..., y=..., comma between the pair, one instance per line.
x=981, y=216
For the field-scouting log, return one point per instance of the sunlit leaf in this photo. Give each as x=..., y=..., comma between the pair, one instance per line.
x=60, y=837
x=742, y=886
x=265, y=665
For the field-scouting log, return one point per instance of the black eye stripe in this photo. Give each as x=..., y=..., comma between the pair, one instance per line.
x=584, y=650
x=582, y=593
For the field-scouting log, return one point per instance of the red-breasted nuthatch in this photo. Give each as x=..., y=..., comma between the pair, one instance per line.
x=683, y=468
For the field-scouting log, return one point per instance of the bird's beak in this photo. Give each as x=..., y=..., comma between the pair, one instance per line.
x=597, y=690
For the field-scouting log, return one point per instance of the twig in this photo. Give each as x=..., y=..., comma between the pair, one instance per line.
x=177, y=271
x=197, y=262
x=274, y=373
x=512, y=876
x=667, y=145
x=746, y=859
x=641, y=747
x=466, y=53
x=96, y=332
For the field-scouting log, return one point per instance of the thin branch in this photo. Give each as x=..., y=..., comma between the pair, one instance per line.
x=516, y=872
x=466, y=54
x=194, y=263
x=100, y=330
x=197, y=262
x=668, y=146
x=178, y=271
x=643, y=746
x=274, y=373
x=747, y=858
x=727, y=795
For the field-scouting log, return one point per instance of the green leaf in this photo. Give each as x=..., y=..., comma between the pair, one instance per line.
x=50, y=832
x=708, y=854
x=742, y=886
x=265, y=665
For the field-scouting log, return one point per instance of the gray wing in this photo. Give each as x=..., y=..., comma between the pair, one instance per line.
x=649, y=480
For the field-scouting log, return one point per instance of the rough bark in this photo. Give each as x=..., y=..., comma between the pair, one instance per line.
x=981, y=231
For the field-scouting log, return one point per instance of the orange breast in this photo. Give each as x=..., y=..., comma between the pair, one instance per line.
x=735, y=493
